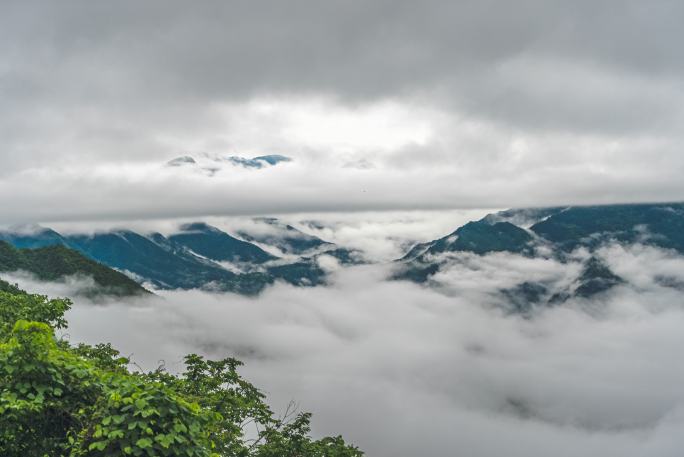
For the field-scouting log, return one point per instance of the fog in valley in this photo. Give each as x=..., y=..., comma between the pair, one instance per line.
x=402, y=369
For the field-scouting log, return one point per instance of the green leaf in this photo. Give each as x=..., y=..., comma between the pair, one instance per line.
x=144, y=443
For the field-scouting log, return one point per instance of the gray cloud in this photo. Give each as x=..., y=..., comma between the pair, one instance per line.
x=354, y=49
x=572, y=100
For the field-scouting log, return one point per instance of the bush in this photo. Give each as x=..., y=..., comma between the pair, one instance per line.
x=59, y=400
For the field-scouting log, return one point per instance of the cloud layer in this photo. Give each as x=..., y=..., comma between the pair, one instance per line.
x=389, y=105
x=402, y=370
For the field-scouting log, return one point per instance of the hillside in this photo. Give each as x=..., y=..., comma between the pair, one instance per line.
x=561, y=234
x=62, y=399
x=660, y=225
x=214, y=244
x=284, y=237
x=199, y=256
x=53, y=263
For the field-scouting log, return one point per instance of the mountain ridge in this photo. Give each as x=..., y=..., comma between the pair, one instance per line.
x=56, y=262
x=555, y=232
x=198, y=255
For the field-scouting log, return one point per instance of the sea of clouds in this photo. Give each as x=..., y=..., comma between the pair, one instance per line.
x=404, y=370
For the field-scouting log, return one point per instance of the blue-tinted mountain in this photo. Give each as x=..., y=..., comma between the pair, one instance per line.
x=258, y=162
x=214, y=244
x=595, y=278
x=56, y=262
x=344, y=256
x=305, y=272
x=211, y=164
x=479, y=237
x=181, y=161
x=525, y=217
x=660, y=225
x=187, y=260
x=525, y=297
x=152, y=258
x=284, y=237
x=558, y=231
x=416, y=251
x=34, y=237
x=482, y=237
x=288, y=240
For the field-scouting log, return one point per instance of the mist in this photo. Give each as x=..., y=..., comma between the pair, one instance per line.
x=401, y=121
x=404, y=370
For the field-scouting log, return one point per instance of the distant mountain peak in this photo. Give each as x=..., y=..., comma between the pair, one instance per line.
x=572, y=235
x=57, y=262
x=211, y=164
x=282, y=236
x=31, y=236
x=198, y=227
x=181, y=161
x=259, y=161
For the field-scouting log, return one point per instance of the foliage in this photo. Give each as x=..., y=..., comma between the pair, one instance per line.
x=60, y=400
x=55, y=262
x=22, y=306
x=661, y=225
x=187, y=260
x=11, y=288
x=481, y=237
x=217, y=245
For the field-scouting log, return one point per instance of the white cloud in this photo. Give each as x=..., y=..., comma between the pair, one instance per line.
x=411, y=155
x=402, y=370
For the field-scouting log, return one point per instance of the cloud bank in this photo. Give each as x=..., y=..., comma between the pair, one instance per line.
x=382, y=106
x=402, y=370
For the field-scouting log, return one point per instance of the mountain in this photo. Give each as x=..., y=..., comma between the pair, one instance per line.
x=525, y=217
x=197, y=256
x=210, y=164
x=285, y=238
x=595, y=278
x=289, y=241
x=552, y=233
x=660, y=225
x=258, y=162
x=482, y=237
x=32, y=237
x=53, y=263
x=214, y=244
x=181, y=161
x=479, y=237
x=305, y=272
x=150, y=258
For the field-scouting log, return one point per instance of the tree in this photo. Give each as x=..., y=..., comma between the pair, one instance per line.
x=60, y=400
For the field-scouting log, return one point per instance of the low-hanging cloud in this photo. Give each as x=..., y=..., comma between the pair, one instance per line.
x=382, y=236
x=404, y=370
x=383, y=106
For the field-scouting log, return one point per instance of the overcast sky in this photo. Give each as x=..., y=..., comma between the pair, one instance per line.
x=383, y=105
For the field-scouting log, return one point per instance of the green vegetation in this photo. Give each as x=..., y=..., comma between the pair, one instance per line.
x=558, y=231
x=52, y=263
x=596, y=277
x=661, y=225
x=60, y=400
x=214, y=244
x=482, y=237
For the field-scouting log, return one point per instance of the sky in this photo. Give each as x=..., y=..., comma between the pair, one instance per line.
x=383, y=106
x=403, y=120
